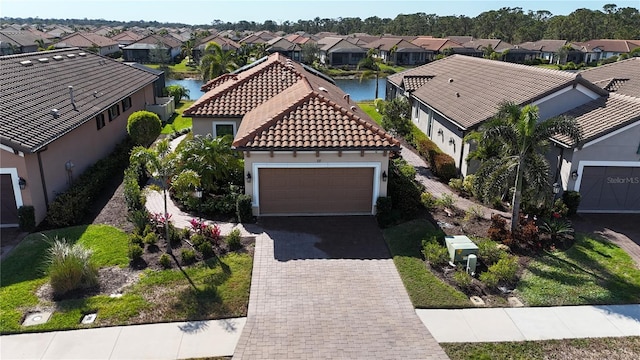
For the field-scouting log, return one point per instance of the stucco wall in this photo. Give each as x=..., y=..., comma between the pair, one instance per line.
x=377, y=159
x=204, y=126
x=567, y=100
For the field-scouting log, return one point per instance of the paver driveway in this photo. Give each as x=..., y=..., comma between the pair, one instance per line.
x=325, y=288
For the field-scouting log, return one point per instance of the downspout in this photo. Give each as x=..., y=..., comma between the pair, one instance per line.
x=44, y=185
x=555, y=178
x=461, y=151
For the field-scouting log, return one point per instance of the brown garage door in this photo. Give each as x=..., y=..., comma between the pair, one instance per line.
x=8, y=210
x=610, y=188
x=316, y=191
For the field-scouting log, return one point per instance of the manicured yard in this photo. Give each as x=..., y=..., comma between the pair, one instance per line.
x=218, y=288
x=370, y=109
x=584, y=349
x=181, y=68
x=424, y=288
x=177, y=122
x=592, y=271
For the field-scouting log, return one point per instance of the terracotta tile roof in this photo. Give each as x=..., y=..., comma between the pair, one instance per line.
x=468, y=90
x=602, y=116
x=31, y=90
x=86, y=40
x=622, y=77
x=610, y=45
x=237, y=94
x=307, y=116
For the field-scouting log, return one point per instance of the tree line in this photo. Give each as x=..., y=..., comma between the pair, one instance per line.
x=511, y=24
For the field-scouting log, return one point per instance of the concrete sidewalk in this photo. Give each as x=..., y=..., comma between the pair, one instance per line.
x=531, y=323
x=179, y=340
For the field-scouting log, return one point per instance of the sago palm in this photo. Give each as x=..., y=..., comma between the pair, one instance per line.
x=521, y=140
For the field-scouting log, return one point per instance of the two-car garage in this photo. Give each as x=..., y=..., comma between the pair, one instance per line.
x=614, y=188
x=316, y=190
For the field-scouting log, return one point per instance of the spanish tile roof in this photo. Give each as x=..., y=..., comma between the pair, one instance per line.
x=34, y=84
x=307, y=116
x=468, y=90
x=235, y=95
x=602, y=116
x=622, y=77
x=412, y=83
x=86, y=40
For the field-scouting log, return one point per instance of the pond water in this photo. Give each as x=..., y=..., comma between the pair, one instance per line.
x=357, y=90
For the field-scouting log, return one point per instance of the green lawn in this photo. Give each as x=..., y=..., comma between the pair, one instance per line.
x=370, y=109
x=177, y=68
x=177, y=122
x=218, y=288
x=593, y=271
x=594, y=348
x=424, y=288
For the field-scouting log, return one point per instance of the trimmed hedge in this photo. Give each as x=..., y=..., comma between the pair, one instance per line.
x=404, y=192
x=244, y=212
x=27, y=218
x=444, y=166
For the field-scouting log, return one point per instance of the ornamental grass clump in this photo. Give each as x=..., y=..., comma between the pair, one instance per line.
x=70, y=267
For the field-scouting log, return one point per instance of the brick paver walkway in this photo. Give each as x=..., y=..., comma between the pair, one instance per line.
x=308, y=304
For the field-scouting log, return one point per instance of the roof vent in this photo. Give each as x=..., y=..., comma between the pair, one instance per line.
x=457, y=94
x=450, y=80
x=43, y=60
x=353, y=108
x=58, y=57
x=82, y=54
x=323, y=89
x=26, y=63
x=71, y=55
x=55, y=113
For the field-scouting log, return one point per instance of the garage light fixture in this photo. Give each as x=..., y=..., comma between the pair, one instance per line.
x=248, y=177
x=574, y=175
x=384, y=176
x=22, y=183
x=556, y=188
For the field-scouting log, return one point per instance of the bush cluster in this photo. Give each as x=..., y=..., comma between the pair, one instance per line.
x=70, y=267
x=442, y=165
x=244, y=211
x=27, y=218
x=233, y=240
x=436, y=254
x=70, y=207
x=502, y=272
x=144, y=127
x=404, y=192
x=572, y=200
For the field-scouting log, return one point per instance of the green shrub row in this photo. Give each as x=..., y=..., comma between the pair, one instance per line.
x=70, y=207
x=27, y=218
x=404, y=192
x=442, y=165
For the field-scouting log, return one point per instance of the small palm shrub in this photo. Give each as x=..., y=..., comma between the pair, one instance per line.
x=436, y=254
x=233, y=240
x=557, y=229
x=165, y=261
x=188, y=256
x=70, y=267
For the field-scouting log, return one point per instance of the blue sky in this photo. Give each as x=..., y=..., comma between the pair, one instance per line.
x=205, y=11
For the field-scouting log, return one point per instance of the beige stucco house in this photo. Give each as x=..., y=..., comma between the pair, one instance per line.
x=60, y=112
x=308, y=149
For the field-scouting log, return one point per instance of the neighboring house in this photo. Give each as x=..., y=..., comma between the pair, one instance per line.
x=142, y=51
x=434, y=46
x=60, y=112
x=301, y=38
x=457, y=94
x=19, y=42
x=336, y=51
x=548, y=51
x=259, y=37
x=398, y=51
x=477, y=47
x=285, y=47
x=225, y=43
x=308, y=149
x=126, y=37
x=602, y=49
x=91, y=42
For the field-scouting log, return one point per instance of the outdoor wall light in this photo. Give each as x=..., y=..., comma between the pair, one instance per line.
x=440, y=132
x=574, y=174
x=451, y=141
x=248, y=177
x=22, y=183
x=384, y=176
x=556, y=188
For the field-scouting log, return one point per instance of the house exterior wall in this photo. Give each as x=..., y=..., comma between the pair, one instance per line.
x=204, y=126
x=109, y=49
x=255, y=160
x=563, y=101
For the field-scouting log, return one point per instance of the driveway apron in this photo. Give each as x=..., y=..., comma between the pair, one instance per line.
x=326, y=288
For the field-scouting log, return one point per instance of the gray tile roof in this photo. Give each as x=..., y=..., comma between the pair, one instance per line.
x=622, y=77
x=468, y=90
x=30, y=92
x=602, y=116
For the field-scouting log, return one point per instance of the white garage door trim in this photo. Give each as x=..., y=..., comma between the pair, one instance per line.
x=257, y=166
x=583, y=164
x=16, y=189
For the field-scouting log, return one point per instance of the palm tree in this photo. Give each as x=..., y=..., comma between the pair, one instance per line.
x=260, y=50
x=517, y=142
x=186, y=49
x=371, y=67
x=216, y=62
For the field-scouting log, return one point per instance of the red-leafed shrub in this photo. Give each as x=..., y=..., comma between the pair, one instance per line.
x=498, y=230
